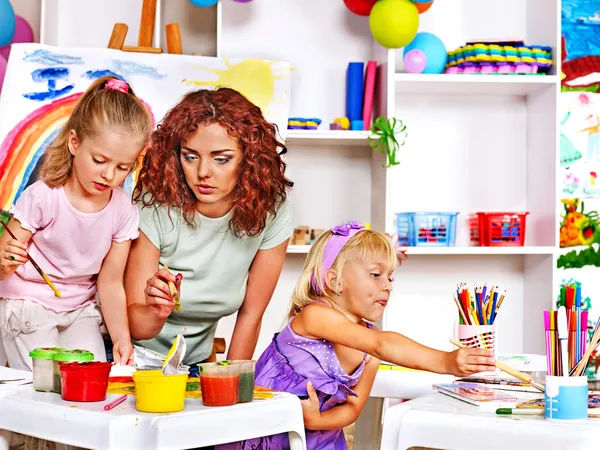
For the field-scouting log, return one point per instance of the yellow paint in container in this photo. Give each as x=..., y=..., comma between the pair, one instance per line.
x=158, y=393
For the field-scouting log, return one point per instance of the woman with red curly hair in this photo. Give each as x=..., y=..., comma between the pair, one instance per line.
x=213, y=200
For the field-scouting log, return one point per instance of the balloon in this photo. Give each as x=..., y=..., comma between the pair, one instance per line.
x=360, y=7
x=415, y=61
x=204, y=3
x=394, y=23
x=7, y=23
x=422, y=7
x=2, y=71
x=23, y=33
x=434, y=49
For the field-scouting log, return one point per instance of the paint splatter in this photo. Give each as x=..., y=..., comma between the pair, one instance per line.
x=49, y=75
x=127, y=68
x=95, y=74
x=48, y=58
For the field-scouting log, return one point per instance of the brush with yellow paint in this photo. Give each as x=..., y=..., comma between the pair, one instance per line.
x=38, y=268
x=174, y=292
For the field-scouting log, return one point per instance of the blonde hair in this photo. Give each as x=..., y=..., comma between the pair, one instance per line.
x=97, y=107
x=363, y=244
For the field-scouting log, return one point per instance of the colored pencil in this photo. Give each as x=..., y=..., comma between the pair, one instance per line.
x=38, y=268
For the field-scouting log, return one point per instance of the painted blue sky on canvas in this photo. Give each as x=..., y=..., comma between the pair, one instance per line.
x=581, y=27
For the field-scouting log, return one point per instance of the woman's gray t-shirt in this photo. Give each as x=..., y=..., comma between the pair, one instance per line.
x=214, y=264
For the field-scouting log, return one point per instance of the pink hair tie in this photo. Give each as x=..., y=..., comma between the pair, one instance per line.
x=117, y=85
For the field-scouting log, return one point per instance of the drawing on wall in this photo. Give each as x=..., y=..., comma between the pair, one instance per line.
x=580, y=45
x=578, y=227
x=42, y=85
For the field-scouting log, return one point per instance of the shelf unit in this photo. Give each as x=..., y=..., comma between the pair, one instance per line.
x=475, y=143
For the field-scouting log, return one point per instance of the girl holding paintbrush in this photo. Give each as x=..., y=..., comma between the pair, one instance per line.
x=70, y=232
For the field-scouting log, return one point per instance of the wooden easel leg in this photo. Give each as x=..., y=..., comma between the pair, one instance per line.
x=174, y=39
x=147, y=23
x=117, y=38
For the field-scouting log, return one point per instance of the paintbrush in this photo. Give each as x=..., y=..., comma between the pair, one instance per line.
x=509, y=370
x=38, y=268
x=174, y=292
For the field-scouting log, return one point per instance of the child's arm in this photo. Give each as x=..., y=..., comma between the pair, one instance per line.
x=13, y=253
x=321, y=322
x=344, y=414
x=113, y=302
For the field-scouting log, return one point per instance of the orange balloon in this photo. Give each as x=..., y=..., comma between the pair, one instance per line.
x=422, y=7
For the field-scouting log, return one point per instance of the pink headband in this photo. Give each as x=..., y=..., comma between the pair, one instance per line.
x=117, y=85
x=341, y=235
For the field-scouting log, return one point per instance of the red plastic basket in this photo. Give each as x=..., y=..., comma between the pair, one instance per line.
x=498, y=229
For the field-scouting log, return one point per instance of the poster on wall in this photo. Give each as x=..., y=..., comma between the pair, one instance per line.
x=43, y=83
x=579, y=114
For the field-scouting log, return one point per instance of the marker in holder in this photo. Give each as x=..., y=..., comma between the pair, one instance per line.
x=566, y=399
x=478, y=336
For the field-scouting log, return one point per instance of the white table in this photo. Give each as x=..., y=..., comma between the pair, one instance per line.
x=391, y=384
x=46, y=416
x=442, y=422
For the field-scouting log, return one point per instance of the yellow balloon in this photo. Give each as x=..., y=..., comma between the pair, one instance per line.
x=394, y=23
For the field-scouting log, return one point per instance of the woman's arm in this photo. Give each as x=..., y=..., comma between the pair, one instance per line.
x=321, y=322
x=346, y=413
x=146, y=321
x=112, y=300
x=262, y=279
x=13, y=253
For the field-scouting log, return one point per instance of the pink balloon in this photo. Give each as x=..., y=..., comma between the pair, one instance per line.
x=23, y=33
x=2, y=71
x=415, y=61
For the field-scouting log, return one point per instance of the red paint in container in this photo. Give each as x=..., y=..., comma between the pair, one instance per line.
x=219, y=383
x=84, y=382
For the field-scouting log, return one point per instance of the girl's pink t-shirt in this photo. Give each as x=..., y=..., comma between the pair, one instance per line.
x=68, y=245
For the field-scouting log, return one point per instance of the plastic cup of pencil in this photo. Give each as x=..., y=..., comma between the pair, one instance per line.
x=478, y=336
x=566, y=399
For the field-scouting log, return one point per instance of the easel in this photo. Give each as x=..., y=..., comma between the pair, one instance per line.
x=173, y=33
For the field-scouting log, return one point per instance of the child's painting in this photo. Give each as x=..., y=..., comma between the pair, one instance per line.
x=580, y=45
x=42, y=85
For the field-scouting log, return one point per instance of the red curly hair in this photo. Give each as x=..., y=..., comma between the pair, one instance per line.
x=261, y=183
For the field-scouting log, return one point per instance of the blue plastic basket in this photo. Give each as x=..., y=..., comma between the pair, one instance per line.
x=426, y=229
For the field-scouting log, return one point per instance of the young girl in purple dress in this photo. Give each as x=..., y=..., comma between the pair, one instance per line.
x=330, y=352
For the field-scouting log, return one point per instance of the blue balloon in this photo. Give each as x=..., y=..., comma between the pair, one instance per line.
x=204, y=3
x=434, y=49
x=8, y=23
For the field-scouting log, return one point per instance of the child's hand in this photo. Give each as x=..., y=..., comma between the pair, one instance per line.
x=310, y=408
x=12, y=255
x=158, y=295
x=123, y=352
x=467, y=361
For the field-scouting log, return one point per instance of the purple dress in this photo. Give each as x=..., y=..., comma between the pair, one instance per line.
x=286, y=365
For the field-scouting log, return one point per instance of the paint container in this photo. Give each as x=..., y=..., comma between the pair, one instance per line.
x=566, y=399
x=478, y=336
x=68, y=356
x=220, y=383
x=158, y=393
x=43, y=368
x=85, y=381
x=246, y=385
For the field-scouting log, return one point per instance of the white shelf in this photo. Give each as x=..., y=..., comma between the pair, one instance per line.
x=327, y=137
x=461, y=84
x=480, y=250
x=484, y=251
